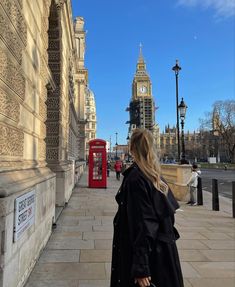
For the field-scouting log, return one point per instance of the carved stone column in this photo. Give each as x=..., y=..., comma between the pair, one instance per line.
x=13, y=38
x=58, y=102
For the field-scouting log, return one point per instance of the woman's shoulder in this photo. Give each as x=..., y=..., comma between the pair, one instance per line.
x=134, y=175
x=131, y=171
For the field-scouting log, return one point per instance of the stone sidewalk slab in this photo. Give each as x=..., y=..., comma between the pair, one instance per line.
x=78, y=253
x=69, y=271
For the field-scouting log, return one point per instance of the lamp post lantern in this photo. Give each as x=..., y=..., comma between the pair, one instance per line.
x=182, y=110
x=176, y=69
x=116, y=144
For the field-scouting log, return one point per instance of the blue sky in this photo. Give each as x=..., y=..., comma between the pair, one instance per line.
x=200, y=33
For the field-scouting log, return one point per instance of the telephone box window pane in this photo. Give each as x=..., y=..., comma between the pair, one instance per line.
x=97, y=167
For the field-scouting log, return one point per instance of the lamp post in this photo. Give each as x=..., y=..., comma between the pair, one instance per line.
x=128, y=138
x=110, y=148
x=182, y=110
x=176, y=69
x=116, y=144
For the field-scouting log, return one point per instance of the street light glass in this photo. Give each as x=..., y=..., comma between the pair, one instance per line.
x=182, y=109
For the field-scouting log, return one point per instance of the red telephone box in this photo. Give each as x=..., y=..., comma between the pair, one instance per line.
x=97, y=164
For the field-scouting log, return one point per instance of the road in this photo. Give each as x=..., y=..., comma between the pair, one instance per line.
x=225, y=178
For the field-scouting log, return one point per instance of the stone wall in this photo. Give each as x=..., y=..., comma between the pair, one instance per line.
x=177, y=177
x=23, y=77
x=18, y=257
x=81, y=78
x=39, y=124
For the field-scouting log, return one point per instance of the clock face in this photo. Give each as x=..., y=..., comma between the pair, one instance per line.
x=143, y=89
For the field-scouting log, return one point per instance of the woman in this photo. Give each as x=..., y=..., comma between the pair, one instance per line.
x=144, y=249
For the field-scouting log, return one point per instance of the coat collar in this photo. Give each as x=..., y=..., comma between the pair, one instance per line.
x=129, y=169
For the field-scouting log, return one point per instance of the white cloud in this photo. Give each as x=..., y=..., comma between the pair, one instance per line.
x=223, y=8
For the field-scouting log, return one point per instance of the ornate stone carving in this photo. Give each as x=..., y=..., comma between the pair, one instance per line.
x=45, y=39
x=53, y=103
x=52, y=128
x=52, y=154
x=46, y=7
x=45, y=56
x=54, y=34
x=82, y=82
x=56, y=78
x=44, y=28
x=55, y=67
x=53, y=115
x=54, y=45
x=42, y=109
x=10, y=39
x=41, y=149
x=43, y=92
x=11, y=75
x=20, y=3
x=54, y=56
x=52, y=141
x=60, y=3
x=54, y=22
x=16, y=18
x=45, y=23
x=42, y=130
x=11, y=141
x=9, y=107
x=43, y=72
x=56, y=92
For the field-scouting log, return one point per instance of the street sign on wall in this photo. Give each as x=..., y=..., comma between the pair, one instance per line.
x=24, y=213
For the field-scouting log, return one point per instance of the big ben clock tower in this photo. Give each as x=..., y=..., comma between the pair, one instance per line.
x=142, y=106
x=141, y=86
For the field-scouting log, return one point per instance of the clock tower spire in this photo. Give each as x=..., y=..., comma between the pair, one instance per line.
x=141, y=66
x=141, y=58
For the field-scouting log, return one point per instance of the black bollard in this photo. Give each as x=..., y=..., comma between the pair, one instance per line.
x=199, y=192
x=233, y=197
x=215, y=195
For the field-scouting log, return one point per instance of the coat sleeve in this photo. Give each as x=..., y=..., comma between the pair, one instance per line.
x=143, y=226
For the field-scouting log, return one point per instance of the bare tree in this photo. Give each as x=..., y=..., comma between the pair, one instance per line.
x=221, y=125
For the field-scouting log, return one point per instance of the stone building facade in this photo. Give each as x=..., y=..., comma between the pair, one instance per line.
x=169, y=143
x=42, y=125
x=199, y=145
x=90, y=114
x=81, y=78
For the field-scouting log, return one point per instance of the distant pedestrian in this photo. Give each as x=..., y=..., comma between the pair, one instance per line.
x=118, y=169
x=108, y=168
x=144, y=247
x=192, y=184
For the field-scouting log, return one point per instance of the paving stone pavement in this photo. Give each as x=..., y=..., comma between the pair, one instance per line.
x=78, y=253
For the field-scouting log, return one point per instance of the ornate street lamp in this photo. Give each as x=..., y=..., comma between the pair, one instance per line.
x=182, y=110
x=116, y=144
x=176, y=69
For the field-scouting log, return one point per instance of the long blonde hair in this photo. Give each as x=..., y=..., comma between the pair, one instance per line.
x=143, y=150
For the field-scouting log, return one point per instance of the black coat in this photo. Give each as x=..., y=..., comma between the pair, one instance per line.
x=144, y=234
